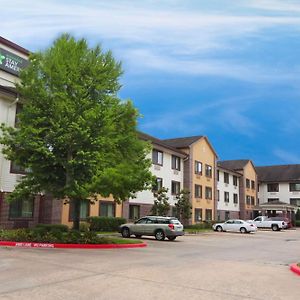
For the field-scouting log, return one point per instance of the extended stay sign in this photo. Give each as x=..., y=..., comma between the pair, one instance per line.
x=11, y=63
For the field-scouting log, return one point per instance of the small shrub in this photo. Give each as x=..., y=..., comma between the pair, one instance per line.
x=52, y=227
x=84, y=227
x=105, y=223
x=202, y=225
x=297, y=222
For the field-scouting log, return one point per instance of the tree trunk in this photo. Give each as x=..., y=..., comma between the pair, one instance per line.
x=76, y=213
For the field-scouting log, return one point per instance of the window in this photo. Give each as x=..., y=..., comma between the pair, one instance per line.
x=272, y=200
x=235, y=180
x=208, y=193
x=248, y=200
x=21, y=208
x=175, y=162
x=247, y=183
x=252, y=200
x=252, y=184
x=143, y=221
x=295, y=187
x=208, y=214
x=218, y=175
x=226, y=177
x=158, y=184
x=273, y=187
x=16, y=169
x=84, y=210
x=19, y=108
x=157, y=157
x=218, y=195
x=107, y=209
x=198, y=167
x=226, y=196
x=295, y=201
x=208, y=171
x=227, y=215
x=134, y=212
x=198, y=191
x=198, y=215
x=175, y=187
x=235, y=198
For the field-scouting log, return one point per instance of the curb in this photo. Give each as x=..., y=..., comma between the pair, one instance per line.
x=71, y=246
x=294, y=268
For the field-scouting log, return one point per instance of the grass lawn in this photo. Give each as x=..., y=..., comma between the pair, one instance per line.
x=195, y=231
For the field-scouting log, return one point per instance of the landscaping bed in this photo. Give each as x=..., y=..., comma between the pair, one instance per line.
x=58, y=235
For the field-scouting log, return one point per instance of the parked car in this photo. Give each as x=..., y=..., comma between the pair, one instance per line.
x=287, y=221
x=265, y=222
x=235, y=225
x=159, y=227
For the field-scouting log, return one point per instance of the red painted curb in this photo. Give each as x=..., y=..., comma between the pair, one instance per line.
x=295, y=269
x=70, y=246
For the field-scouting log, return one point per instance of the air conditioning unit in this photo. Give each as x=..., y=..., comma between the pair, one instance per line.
x=156, y=167
x=176, y=172
x=19, y=177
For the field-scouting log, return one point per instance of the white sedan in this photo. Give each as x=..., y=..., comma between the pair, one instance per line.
x=235, y=225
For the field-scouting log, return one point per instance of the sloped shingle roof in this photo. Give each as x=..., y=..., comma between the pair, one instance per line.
x=237, y=164
x=182, y=142
x=279, y=173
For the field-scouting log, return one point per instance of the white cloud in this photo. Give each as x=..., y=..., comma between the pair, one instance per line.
x=287, y=156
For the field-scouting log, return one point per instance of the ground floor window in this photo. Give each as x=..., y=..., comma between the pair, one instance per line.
x=208, y=214
x=21, y=208
x=134, y=212
x=198, y=215
x=84, y=210
x=227, y=215
x=295, y=201
x=107, y=209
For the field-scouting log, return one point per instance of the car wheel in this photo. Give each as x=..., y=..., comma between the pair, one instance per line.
x=171, y=238
x=243, y=230
x=138, y=236
x=275, y=227
x=125, y=232
x=159, y=235
x=219, y=228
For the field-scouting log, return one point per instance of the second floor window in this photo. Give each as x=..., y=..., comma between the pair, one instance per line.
x=175, y=163
x=273, y=187
x=158, y=184
x=226, y=197
x=248, y=200
x=208, y=193
x=235, y=198
x=175, y=187
x=198, y=191
x=252, y=200
x=252, y=184
x=157, y=157
x=208, y=171
x=226, y=177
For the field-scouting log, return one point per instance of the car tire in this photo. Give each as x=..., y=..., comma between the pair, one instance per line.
x=171, y=238
x=219, y=228
x=275, y=227
x=159, y=235
x=125, y=232
x=138, y=236
x=243, y=230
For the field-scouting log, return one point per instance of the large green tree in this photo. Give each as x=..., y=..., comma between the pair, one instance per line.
x=183, y=206
x=75, y=136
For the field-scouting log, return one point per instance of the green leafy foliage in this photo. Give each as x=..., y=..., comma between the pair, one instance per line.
x=161, y=206
x=183, y=206
x=74, y=135
x=105, y=223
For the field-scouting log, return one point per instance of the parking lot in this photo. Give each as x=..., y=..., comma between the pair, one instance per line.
x=205, y=266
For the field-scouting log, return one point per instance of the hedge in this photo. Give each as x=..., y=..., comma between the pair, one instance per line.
x=202, y=225
x=52, y=227
x=105, y=223
x=297, y=223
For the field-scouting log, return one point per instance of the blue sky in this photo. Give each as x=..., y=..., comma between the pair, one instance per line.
x=227, y=69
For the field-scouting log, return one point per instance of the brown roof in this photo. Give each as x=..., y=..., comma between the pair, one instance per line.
x=13, y=46
x=182, y=142
x=279, y=173
x=237, y=164
x=156, y=141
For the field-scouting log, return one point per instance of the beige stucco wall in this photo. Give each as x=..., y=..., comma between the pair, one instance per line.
x=249, y=173
x=94, y=210
x=201, y=151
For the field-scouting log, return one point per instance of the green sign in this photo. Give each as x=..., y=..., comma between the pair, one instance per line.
x=11, y=63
